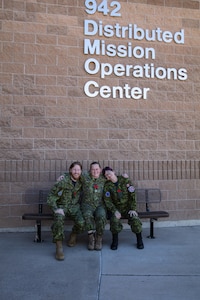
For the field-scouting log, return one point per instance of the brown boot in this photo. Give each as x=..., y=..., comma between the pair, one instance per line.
x=59, y=251
x=91, y=241
x=98, y=244
x=72, y=240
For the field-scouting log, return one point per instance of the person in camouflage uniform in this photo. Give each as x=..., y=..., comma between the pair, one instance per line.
x=64, y=200
x=93, y=207
x=120, y=200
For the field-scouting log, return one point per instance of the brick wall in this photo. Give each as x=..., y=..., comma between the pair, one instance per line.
x=46, y=119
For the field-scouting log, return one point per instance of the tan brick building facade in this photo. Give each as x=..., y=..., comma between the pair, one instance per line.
x=73, y=80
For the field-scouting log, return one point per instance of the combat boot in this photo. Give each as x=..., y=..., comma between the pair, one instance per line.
x=91, y=241
x=114, y=244
x=59, y=251
x=140, y=244
x=98, y=242
x=72, y=240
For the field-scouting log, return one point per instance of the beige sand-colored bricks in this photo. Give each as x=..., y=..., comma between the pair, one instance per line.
x=46, y=119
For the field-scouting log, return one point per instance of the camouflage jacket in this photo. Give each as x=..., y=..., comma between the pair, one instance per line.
x=119, y=196
x=93, y=190
x=64, y=194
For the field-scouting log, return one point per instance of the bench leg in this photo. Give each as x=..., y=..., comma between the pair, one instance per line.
x=38, y=236
x=151, y=236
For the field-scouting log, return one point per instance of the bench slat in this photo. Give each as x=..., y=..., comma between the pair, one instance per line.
x=153, y=214
x=142, y=215
x=37, y=217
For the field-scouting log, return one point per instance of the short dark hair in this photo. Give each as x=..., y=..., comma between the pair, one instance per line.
x=106, y=169
x=74, y=164
x=95, y=163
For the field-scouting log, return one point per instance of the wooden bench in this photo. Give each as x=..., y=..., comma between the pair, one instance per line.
x=144, y=196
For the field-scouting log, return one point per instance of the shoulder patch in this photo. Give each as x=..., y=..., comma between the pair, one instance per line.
x=107, y=194
x=131, y=189
x=60, y=193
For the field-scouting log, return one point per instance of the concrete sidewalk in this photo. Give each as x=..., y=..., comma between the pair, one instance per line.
x=168, y=268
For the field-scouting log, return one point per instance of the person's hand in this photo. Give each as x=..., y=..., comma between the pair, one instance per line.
x=133, y=213
x=60, y=178
x=59, y=211
x=117, y=214
x=125, y=175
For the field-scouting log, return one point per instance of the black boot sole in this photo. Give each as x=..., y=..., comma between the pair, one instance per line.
x=113, y=247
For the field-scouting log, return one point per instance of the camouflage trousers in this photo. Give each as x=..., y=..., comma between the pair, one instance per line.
x=74, y=214
x=95, y=218
x=116, y=224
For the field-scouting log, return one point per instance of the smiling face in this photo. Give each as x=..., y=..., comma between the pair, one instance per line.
x=95, y=170
x=75, y=172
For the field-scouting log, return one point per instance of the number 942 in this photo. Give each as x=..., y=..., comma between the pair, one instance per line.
x=113, y=9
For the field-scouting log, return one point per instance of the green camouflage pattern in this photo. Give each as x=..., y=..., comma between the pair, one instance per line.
x=66, y=195
x=92, y=204
x=93, y=190
x=121, y=197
